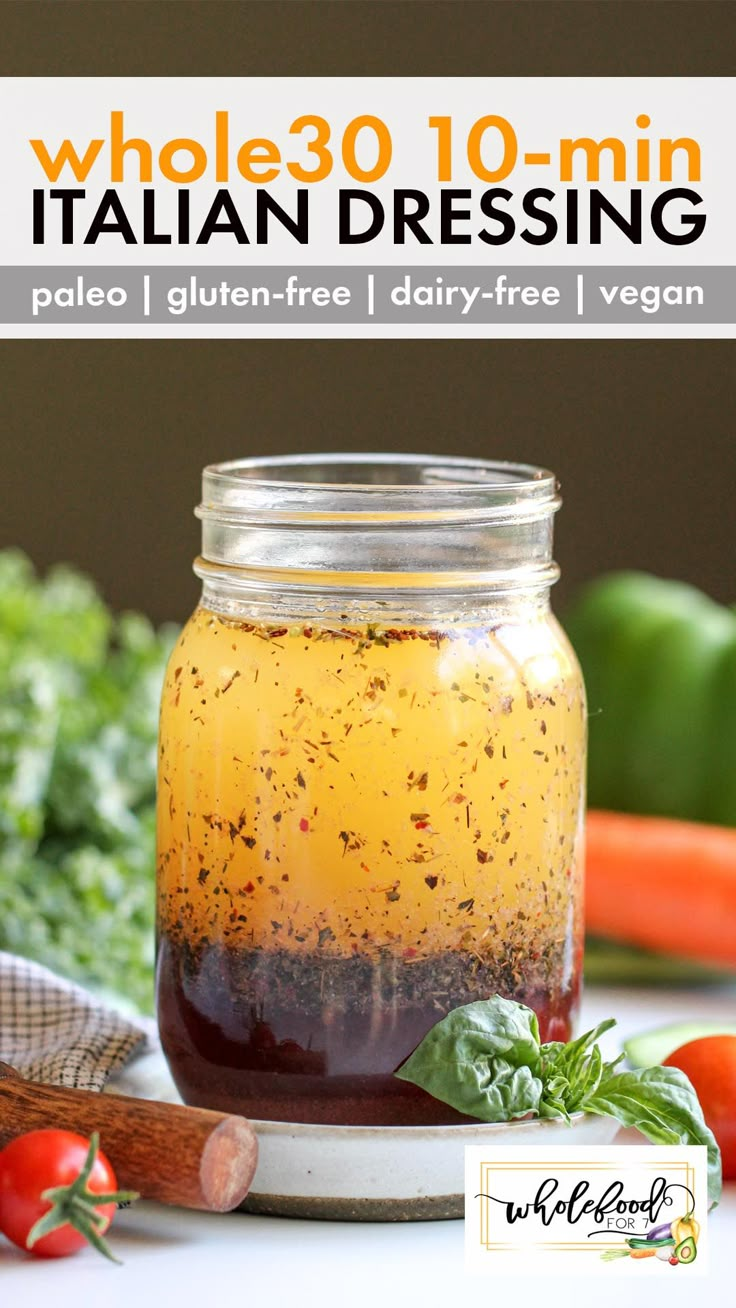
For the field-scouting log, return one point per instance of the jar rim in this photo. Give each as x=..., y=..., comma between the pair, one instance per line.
x=407, y=485
x=441, y=521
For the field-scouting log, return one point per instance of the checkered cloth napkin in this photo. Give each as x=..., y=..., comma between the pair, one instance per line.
x=55, y=1032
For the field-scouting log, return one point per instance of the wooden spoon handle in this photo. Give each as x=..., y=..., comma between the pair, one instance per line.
x=176, y=1155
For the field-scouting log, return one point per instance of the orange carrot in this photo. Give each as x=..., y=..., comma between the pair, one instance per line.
x=642, y=1253
x=662, y=884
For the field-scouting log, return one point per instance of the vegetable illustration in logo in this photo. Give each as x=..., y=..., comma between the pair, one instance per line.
x=671, y=1242
x=686, y=1252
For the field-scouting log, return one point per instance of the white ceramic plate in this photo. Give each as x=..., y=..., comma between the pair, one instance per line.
x=387, y=1173
x=367, y=1173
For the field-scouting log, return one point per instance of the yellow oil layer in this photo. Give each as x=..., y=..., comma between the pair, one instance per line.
x=346, y=789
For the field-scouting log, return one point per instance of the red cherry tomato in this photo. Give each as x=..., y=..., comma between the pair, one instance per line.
x=39, y=1161
x=710, y=1063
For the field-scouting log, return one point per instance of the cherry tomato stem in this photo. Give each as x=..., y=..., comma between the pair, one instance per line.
x=57, y=1192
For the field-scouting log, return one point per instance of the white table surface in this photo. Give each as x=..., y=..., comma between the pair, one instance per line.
x=191, y=1260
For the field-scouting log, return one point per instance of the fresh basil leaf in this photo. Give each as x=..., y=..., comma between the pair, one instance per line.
x=662, y=1104
x=566, y=1088
x=483, y=1059
x=555, y=1097
x=572, y=1071
x=573, y=1055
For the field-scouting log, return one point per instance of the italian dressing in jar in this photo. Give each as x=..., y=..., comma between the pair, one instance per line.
x=371, y=781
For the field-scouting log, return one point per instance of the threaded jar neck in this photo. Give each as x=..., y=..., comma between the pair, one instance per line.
x=366, y=522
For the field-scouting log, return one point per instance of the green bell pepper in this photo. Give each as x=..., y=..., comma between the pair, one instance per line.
x=659, y=660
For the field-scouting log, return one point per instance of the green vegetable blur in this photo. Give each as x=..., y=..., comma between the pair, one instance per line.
x=659, y=659
x=79, y=696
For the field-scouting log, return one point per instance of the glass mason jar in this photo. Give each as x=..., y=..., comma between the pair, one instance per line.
x=371, y=785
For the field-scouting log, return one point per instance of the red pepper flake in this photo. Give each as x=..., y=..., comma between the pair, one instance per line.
x=459, y=798
x=503, y=784
x=421, y=781
x=421, y=826
x=249, y=887
x=303, y=824
x=410, y=952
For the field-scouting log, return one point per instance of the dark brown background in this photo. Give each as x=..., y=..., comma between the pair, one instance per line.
x=102, y=442
x=382, y=38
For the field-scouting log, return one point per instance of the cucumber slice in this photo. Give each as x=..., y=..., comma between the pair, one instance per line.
x=652, y=1047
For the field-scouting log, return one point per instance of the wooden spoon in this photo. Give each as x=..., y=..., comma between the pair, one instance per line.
x=184, y=1156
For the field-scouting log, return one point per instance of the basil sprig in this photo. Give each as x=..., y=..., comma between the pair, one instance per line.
x=486, y=1060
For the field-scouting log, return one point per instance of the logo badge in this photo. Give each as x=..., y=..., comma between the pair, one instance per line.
x=613, y=1211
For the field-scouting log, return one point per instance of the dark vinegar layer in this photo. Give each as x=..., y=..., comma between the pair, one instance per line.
x=303, y=1038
